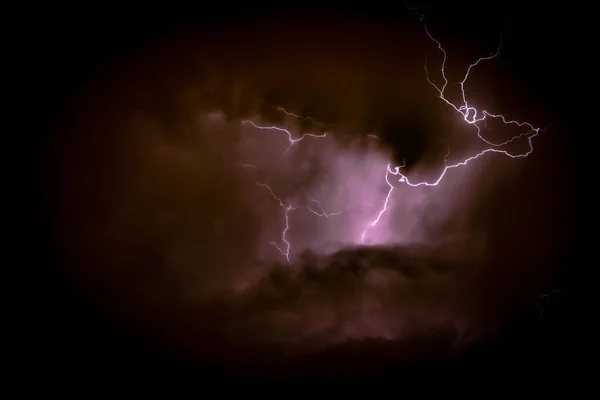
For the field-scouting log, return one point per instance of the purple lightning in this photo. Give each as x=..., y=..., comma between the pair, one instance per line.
x=322, y=212
x=312, y=120
x=285, y=251
x=470, y=114
x=288, y=133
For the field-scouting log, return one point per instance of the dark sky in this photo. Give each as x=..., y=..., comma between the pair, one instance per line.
x=136, y=170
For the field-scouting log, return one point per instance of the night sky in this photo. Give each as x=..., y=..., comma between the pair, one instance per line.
x=162, y=223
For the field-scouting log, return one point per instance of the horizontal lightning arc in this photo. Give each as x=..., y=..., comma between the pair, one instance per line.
x=291, y=139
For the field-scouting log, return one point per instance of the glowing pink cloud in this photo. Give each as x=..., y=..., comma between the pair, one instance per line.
x=363, y=198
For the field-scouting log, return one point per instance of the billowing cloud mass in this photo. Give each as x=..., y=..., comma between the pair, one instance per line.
x=170, y=199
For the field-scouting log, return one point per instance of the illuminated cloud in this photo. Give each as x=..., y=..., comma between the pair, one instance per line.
x=221, y=213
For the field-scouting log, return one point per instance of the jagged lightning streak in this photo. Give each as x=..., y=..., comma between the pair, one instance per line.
x=470, y=115
x=381, y=212
x=287, y=208
x=286, y=250
x=288, y=133
x=311, y=119
x=322, y=212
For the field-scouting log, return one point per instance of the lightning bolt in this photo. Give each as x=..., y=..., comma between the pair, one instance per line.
x=322, y=212
x=285, y=251
x=312, y=120
x=381, y=211
x=471, y=115
x=286, y=247
x=288, y=133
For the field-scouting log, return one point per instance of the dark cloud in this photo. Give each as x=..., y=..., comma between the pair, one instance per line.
x=158, y=222
x=373, y=302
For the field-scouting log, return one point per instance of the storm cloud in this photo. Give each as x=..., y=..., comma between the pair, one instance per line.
x=161, y=211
